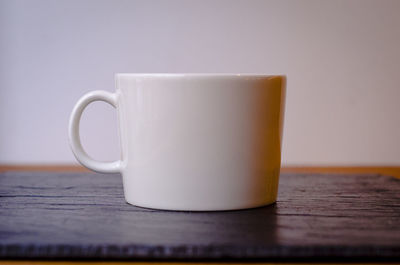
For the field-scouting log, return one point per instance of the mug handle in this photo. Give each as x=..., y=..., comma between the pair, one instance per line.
x=74, y=137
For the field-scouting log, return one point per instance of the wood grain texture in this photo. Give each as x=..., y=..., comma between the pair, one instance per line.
x=318, y=217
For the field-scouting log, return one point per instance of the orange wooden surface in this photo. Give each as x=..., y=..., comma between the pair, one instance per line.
x=385, y=170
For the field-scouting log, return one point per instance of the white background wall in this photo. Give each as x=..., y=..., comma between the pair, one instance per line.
x=342, y=59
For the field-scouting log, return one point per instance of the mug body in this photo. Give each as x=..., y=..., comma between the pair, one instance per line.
x=200, y=142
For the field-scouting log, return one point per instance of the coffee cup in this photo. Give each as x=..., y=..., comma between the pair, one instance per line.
x=193, y=142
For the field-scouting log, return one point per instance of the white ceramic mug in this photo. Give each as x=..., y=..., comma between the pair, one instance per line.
x=198, y=142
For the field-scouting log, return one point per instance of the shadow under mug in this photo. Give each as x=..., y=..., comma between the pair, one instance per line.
x=196, y=142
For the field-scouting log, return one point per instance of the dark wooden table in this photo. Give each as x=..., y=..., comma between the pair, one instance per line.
x=318, y=218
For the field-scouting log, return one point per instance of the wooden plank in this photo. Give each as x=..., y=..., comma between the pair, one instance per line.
x=43, y=168
x=393, y=171
x=84, y=216
x=384, y=170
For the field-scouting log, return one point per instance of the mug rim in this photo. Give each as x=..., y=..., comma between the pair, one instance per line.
x=234, y=75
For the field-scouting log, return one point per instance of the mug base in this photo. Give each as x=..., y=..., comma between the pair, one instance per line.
x=202, y=209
